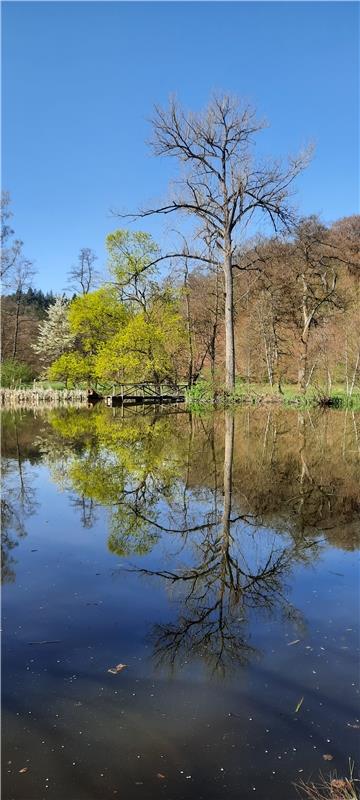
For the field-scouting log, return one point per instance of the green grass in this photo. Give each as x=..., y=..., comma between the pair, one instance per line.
x=205, y=393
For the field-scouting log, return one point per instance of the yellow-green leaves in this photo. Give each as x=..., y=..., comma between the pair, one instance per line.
x=129, y=330
x=146, y=348
x=72, y=368
x=96, y=317
x=130, y=254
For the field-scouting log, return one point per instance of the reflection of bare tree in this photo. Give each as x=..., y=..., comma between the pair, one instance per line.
x=317, y=494
x=12, y=528
x=87, y=509
x=233, y=573
x=17, y=503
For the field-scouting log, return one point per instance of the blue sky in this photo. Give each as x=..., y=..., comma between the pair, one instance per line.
x=80, y=80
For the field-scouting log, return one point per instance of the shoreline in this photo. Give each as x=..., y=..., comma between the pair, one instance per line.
x=33, y=398
x=200, y=397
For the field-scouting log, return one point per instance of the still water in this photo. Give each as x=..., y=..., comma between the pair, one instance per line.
x=216, y=557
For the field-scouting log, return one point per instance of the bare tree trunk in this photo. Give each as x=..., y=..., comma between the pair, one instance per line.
x=268, y=360
x=304, y=342
x=16, y=327
x=229, y=324
x=188, y=326
x=329, y=381
x=308, y=380
x=346, y=365
x=354, y=374
x=215, y=329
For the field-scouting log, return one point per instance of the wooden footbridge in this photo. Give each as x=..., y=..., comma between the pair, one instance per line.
x=146, y=393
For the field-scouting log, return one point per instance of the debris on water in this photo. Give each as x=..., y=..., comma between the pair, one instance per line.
x=47, y=641
x=353, y=725
x=296, y=641
x=339, y=783
x=299, y=705
x=24, y=769
x=160, y=775
x=328, y=757
x=117, y=669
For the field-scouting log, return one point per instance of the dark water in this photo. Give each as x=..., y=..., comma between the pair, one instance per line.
x=216, y=557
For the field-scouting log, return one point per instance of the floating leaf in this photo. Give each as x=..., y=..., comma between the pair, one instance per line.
x=160, y=775
x=24, y=769
x=299, y=705
x=328, y=757
x=118, y=668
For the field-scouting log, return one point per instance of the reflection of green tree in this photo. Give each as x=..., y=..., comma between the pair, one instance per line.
x=243, y=499
x=125, y=465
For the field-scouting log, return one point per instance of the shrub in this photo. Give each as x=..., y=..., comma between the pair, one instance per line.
x=14, y=373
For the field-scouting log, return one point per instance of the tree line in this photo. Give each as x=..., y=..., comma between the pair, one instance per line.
x=276, y=308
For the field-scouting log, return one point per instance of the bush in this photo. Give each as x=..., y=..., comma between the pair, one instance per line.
x=200, y=392
x=14, y=373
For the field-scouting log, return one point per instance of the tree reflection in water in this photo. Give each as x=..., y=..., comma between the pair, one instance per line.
x=230, y=576
x=18, y=500
x=240, y=500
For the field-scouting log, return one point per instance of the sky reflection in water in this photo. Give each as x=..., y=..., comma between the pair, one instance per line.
x=216, y=556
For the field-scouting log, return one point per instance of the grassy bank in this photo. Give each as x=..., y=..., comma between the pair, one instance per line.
x=204, y=393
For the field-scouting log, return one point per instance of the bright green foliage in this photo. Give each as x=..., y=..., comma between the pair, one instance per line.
x=129, y=331
x=14, y=373
x=131, y=257
x=95, y=317
x=73, y=368
x=147, y=347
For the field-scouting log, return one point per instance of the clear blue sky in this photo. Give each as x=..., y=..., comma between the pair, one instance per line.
x=80, y=80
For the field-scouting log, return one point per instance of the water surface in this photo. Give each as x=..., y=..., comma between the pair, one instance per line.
x=214, y=556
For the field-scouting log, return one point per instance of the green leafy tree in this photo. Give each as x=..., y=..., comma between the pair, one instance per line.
x=132, y=260
x=96, y=317
x=148, y=347
x=72, y=368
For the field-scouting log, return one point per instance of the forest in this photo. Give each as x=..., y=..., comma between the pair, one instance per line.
x=230, y=307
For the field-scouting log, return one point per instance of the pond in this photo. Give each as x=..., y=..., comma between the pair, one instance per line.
x=180, y=602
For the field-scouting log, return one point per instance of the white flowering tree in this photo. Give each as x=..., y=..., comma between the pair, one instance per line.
x=55, y=337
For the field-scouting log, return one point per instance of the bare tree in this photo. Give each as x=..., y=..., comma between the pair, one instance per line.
x=202, y=297
x=83, y=276
x=316, y=261
x=11, y=249
x=22, y=274
x=221, y=187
